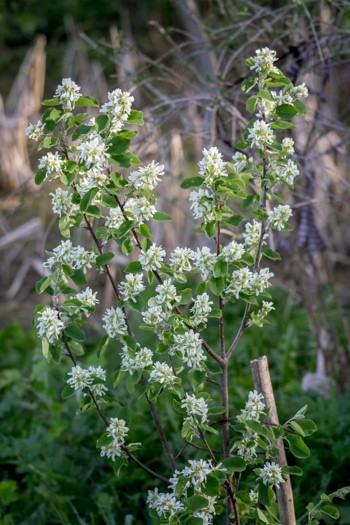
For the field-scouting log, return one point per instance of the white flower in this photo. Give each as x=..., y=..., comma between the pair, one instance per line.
x=257, y=318
x=115, y=219
x=49, y=325
x=254, y=407
x=201, y=309
x=239, y=161
x=35, y=131
x=68, y=92
x=146, y=178
x=80, y=378
x=162, y=373
x=53, y=163
x=118, y=108
x=211, y=167
x=113, y=450
x=166, y=505
x=114, y=322
x=287, y=146
x=92, y=150
x=196, y=408
x=254, y=496
x=180, y=260
x=117, y=429
x=261, y=134
x=300, y=91
x=204, y=259
x=166, y=294
x=132, y=286
x=278, y=217
x=232, y=252
x=252, y=236
x=260, y=281
x=82, y=259
x=240, y=282
x=152, y=258
x=207, y=514
x=271, y=474
x=132, y=361
x=88, y=301
x=154, y=316
x=247, y=448
x=189, y=346
x=263, y=61
x=203, y=204
x=139, y=209
x=62, y=203
x=287, y=172
x=197, y=472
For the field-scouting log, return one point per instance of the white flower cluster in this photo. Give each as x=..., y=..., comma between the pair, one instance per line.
x=285, y=173
x=189, y=347
x=247, y=282
x=278, y=217
x=254, y=407
x=271, y=474
x=287, y=146
x=258, y=318
x=152, y=258
x=92, y=378
x=204, y=260
x=88, y=301
x=263, y=61
x=162, y=373
x=114, y=219
x=166, y=295
x=146, y=178
x=232, y=252
x=247, y=447
x=132, y=286
x=74, y=256
x=252, y=235
x=118, y=108
x=139, y=209
x=195, y=476
x=166, y=505
x=135, y=360
x=212, y=167
x=155, y=316
x=93, y=150
x=49, y=325
x=117, y=430
x=240, y=161
x=62, y=203
x=68, y=93
x=261, y=135
x=201, y=309
x=52, y=162
x=114, y=322
x=35, y=131
x=196, y=409
x=203, y=204
x=180, y=260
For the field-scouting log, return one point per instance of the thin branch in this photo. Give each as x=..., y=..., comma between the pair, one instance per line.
x=165, y=442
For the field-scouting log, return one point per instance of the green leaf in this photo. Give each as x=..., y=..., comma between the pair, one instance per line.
x=257, y=427
x=104, y=258
x=251, y=104
x=331, y=511
x=87, y=101
x=209, y=229
x=40, y=176
x=234, y=464
x=293, y=471
x=118, y=179
x=216, y=313
x=87, y=199
x=192, y=182
x=118, y=145
x=297, y=446
x=79, y=278
x=145, y=231
x=196, y=503
x=304, y=427
x=220, y=268
x=83, y=129
x=124, y=229
x=128, y=247
x=135, y=118
x=282, y=124
x=300, y=107
x=286, y=111
x=234, y=220
x=261, y=516
x=271, y=254
x=249, y=201
x=130, y=385
x=77, y=348
x=75, y=333
x=51, y=102
x=260, y=215
x=102, y=345
x=101, y=122
x=133, y=267
x=44, y=283
x=266, y=95
x=265, y=496
x=186, y=295
x=67, y=391
x=160, y=216
x=64, y=227
x=247, y=85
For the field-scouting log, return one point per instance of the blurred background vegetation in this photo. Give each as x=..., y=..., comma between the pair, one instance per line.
x=184, y=61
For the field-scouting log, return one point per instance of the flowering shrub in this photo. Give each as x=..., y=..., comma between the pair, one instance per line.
x=221, y=462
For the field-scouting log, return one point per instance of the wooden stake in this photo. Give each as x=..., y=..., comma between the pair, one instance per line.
x=262, y=383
